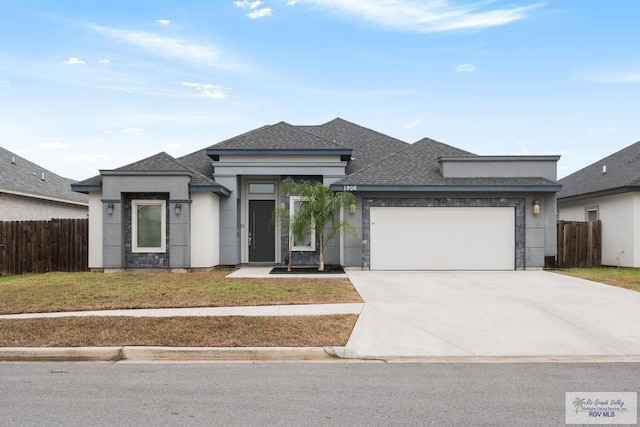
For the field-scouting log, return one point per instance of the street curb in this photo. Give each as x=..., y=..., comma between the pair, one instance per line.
x=60, y=354
x=225, y=353
x=117, y=354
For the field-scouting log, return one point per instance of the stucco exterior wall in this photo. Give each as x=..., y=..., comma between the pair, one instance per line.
x=95, y=231
x=499, y=166
x=21, y=208
x=205, y=229
x=619, y=215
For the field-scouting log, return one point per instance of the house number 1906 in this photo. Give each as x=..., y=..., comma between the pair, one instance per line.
x=350, y=188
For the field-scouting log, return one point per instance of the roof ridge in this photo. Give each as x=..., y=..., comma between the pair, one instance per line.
x=338, y=145
x=240, y=136
x=365, y=128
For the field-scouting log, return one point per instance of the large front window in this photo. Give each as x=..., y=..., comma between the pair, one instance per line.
x=149, y=225
x=308, y=241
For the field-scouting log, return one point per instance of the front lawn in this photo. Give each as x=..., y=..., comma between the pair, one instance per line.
x=231, y=331
x=628, y=278
x=98, y=291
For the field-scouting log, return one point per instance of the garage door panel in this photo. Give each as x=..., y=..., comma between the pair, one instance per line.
x=415, y=238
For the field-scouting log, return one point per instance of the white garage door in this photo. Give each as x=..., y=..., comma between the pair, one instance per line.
x=442, y=238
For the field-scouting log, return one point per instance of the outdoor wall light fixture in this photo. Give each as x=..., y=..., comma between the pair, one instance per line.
x=110, y=208
x=536, y=207
x=352, y=208
x=178, y=208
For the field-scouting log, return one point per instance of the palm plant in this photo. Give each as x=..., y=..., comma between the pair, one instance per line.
x=318, y=213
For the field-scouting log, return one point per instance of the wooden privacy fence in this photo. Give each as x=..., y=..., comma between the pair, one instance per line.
x=579, y=244
x=42, y=246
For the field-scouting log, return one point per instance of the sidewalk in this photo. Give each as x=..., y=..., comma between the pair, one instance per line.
x=265, y=310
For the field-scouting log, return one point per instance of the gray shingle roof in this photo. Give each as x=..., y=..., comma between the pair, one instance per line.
x=162, y=163
x=25, y=177
x=623, y=174
x=368, y=145
x=282, y=136
x=417, y=166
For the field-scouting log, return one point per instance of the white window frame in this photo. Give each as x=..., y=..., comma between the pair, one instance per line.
x=312, y=246
x=134, y=226
x=591, y=209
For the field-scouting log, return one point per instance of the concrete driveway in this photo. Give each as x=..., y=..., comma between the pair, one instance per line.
x=488, y=314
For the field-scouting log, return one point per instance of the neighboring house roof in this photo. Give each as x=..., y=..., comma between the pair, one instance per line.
x=368, y=145
x=279, y=138
x=417, y=168
x=161, y=163
x=22, y=177
x=617, y=173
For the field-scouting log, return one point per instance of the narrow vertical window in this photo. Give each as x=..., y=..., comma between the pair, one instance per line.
x=308, y=241
x=149, y=225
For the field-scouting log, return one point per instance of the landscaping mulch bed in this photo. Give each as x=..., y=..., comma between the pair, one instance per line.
x=328, y=269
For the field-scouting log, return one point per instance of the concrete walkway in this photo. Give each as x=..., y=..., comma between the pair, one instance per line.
x=262, y=310
x=491, y=314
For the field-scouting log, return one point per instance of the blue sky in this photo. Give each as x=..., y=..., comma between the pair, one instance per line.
x=99, y=84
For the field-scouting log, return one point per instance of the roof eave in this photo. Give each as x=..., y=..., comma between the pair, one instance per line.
x=448, y=188
x=596, y=194
x=144, y=173
x=86, y=189
x=220, y=190
x=216, y=153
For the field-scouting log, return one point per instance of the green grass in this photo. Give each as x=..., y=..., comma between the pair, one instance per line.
x=53, y=292
x=628, y=278
x=232, y=331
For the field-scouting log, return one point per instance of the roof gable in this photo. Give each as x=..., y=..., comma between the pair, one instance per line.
x=161, y=164
x=617, y=172
x=368, y=145
x=279, y=137
x=416, y=164
x=19, y=175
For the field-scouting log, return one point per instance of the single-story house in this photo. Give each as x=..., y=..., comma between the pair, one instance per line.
x=29, y=192
x=608, y=190
x=425, y=205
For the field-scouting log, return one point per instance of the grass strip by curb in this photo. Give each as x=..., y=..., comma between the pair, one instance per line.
x=227, y=331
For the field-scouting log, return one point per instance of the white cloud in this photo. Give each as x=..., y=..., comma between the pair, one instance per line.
x=132, y=131
x=260, y=13
x=630, y=78
x=412, y=124
x=207, y=90
x=163, y=21
x=291, y=2
x=253, y=5
x=173, y=145
x=249, y=4
x=465, y=68
x=164, y=46
x=614, y=77
x=74, y=61
x=53, y=146
x=104, y=61
x=426, y=16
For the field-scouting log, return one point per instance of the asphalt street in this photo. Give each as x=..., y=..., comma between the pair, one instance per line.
x=276, y=394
